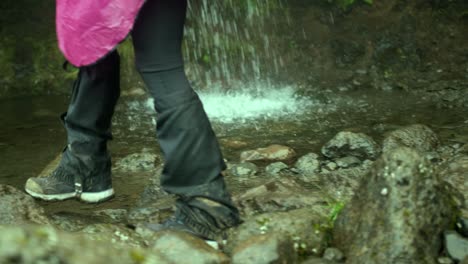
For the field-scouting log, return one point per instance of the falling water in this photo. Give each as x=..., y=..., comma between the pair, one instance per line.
x=231, y=42
x=234, y=57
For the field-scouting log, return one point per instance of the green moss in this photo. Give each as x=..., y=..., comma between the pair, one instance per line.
x=137, y=256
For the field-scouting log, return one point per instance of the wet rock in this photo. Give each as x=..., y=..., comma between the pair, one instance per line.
x=278, y=195
x=418, y=137
x=179, y=247
x=155, y=213
x=113, y=234
x=347, y=162
x=153, y=192
x=331, y=166
x=272, y=153
x=444, y=260
x=275, y=169
x=72, y=222
x=305, y=226
x=316, y=260
x=135, y=162
x=351, y=144
x=16, y=208
x=233, y=143
x=398, y=206
x=455, y=245
x=333, y=254
x=265, y=249
x=43, y=244
x=308, y=164
x=112, y=215
x=339, y=185
x=454, y=172
x=244, y=169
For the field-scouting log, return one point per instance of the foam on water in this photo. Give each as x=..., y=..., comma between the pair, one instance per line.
x=260, y=103
x=243, y=105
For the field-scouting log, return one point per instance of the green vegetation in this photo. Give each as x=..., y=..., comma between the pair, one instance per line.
x=335, y=209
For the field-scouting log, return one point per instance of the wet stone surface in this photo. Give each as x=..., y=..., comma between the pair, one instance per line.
x=16, y=207
x=308, y=164
x=286, y=204
x=351, y=144
x=455, y=245
x=419, y=137
x=274, y=249
x=416, y=207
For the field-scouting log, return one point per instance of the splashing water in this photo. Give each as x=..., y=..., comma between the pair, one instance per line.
x=242, y=106
x=235, y=40
x=233, y=55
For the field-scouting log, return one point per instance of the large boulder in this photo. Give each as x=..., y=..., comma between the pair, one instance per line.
x=347, y=143
x=279, y=195
x=398, y=213
x=265, y=249
x=16, y=207
x=180, y=247
x=32, y=244
x=307, y=227
x=270, y=153
x=418, y=137
x=455, y=172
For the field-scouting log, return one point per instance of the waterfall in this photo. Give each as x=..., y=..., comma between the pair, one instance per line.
x=234, y=41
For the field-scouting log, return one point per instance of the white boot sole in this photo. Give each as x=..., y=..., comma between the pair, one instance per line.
x=89, y=197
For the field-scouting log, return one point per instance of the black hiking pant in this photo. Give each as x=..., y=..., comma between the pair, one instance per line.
x=193, y=160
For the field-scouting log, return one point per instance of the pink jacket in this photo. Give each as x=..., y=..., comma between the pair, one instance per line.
x=89, y=29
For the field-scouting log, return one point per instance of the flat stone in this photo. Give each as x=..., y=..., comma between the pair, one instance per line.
x=277, y=195
x=265, y=249
x=270, y=153
x=308, y=164
x=180, y=247
x=135, y=162
x=243, y=169
x=305, y=226
x=456, y=245
x=347, y=162
x=331, y=166
x=275, y=169
x=16, y=208
x=351, y=144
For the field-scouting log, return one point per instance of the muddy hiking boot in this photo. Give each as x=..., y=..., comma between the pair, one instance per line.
x=84, y=177
x=200, y=217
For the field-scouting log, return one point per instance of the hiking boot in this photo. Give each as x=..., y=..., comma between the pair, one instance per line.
x=209, y=224
x=85, y=177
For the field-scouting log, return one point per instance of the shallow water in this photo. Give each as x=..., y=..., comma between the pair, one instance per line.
x=31, y=134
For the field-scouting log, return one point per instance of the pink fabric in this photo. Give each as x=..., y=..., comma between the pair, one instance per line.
x=88, y=29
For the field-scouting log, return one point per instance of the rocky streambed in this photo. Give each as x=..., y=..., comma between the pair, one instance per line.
x=400, y=198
